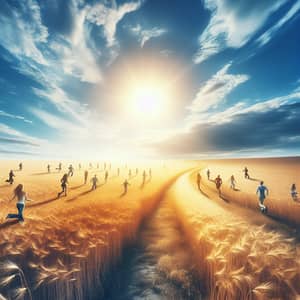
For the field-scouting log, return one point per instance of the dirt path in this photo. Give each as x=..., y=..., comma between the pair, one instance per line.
x=160, y=265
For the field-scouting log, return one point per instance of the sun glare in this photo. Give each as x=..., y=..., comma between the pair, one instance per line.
x=147, y=100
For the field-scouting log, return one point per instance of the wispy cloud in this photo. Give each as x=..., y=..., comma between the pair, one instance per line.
x=14, y=133
x=12, y=116
x=16, y=141
x=109, y=17
x=232, y=24
x=145, y=35
x=215, y=90
x=268, y=35
x=24, y=36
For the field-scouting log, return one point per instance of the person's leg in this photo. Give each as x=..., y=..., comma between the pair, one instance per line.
x=12, y=216
x=20, y=208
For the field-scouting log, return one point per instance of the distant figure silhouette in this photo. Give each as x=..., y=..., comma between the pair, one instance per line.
x=118, y=172
x=90, y=165
x=246, y=173
x=97, y=165
x=136, y=171
x=59, y=167
x=79, y=166
x=294, y=192
x=208, y=174
x=232, y=182
x=86, y=174
x=262, y=192
x=71, y=171
x=20, y=166
x=106, y=176
x=150, y=173
x=48, y=169
x=125, y=185
x=218, y=182
x=94, y=181
x=11, y=176
x=198, y=180
x=20, y=194
x=104, y=166
x=144, y=177
x=109, y=166
x=64, y=183
x=129, y=173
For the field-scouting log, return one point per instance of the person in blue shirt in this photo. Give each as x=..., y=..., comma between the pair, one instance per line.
x=262, y=192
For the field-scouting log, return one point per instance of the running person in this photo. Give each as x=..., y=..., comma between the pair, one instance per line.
x=144, y=177
x=208, y=174
x=262, y=192
x=294, y=192
x=106, y=176
x=71, y=171
x=86, y=174
x=59, y=167
x=246, y=173
x=198, y=180
x=48, y=169
x=218, y=182
x=64, y=183
x=11, y=176
x=125, y=185
x=94, y=181
x=21, y=196
x=232, y=182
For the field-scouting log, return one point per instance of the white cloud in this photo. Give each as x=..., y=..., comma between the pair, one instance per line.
x=10, y=132
x=232, y=24
x=62, y=102
x=241, y=108
x=145, y=35
x=12, y=116
x=267, y=35
x=24, y=36
x=109, y=17
x=77, y=58
x=215, y=90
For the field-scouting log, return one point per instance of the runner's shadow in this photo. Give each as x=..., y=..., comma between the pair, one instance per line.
x=77, y=196
x=225, y=199
x=8, y=224
x=77, y=187
x=236, y=190
x=43, y=202
x=123, y=194
x=203, y=193
x=37, y=174
x=254, y=179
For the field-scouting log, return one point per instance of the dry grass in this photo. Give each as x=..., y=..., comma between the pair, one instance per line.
x=236, y=260
x=66, y=245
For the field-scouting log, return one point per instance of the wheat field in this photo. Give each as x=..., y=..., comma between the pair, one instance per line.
x=236, y=259
x=66, y=245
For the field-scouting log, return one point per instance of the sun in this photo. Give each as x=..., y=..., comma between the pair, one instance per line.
x=147, y=100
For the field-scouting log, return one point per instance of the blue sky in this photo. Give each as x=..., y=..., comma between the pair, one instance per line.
x=229, y=71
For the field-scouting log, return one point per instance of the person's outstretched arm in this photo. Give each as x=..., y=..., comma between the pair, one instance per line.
x=12, y=198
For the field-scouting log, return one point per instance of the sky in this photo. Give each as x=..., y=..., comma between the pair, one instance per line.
x=149, y=78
